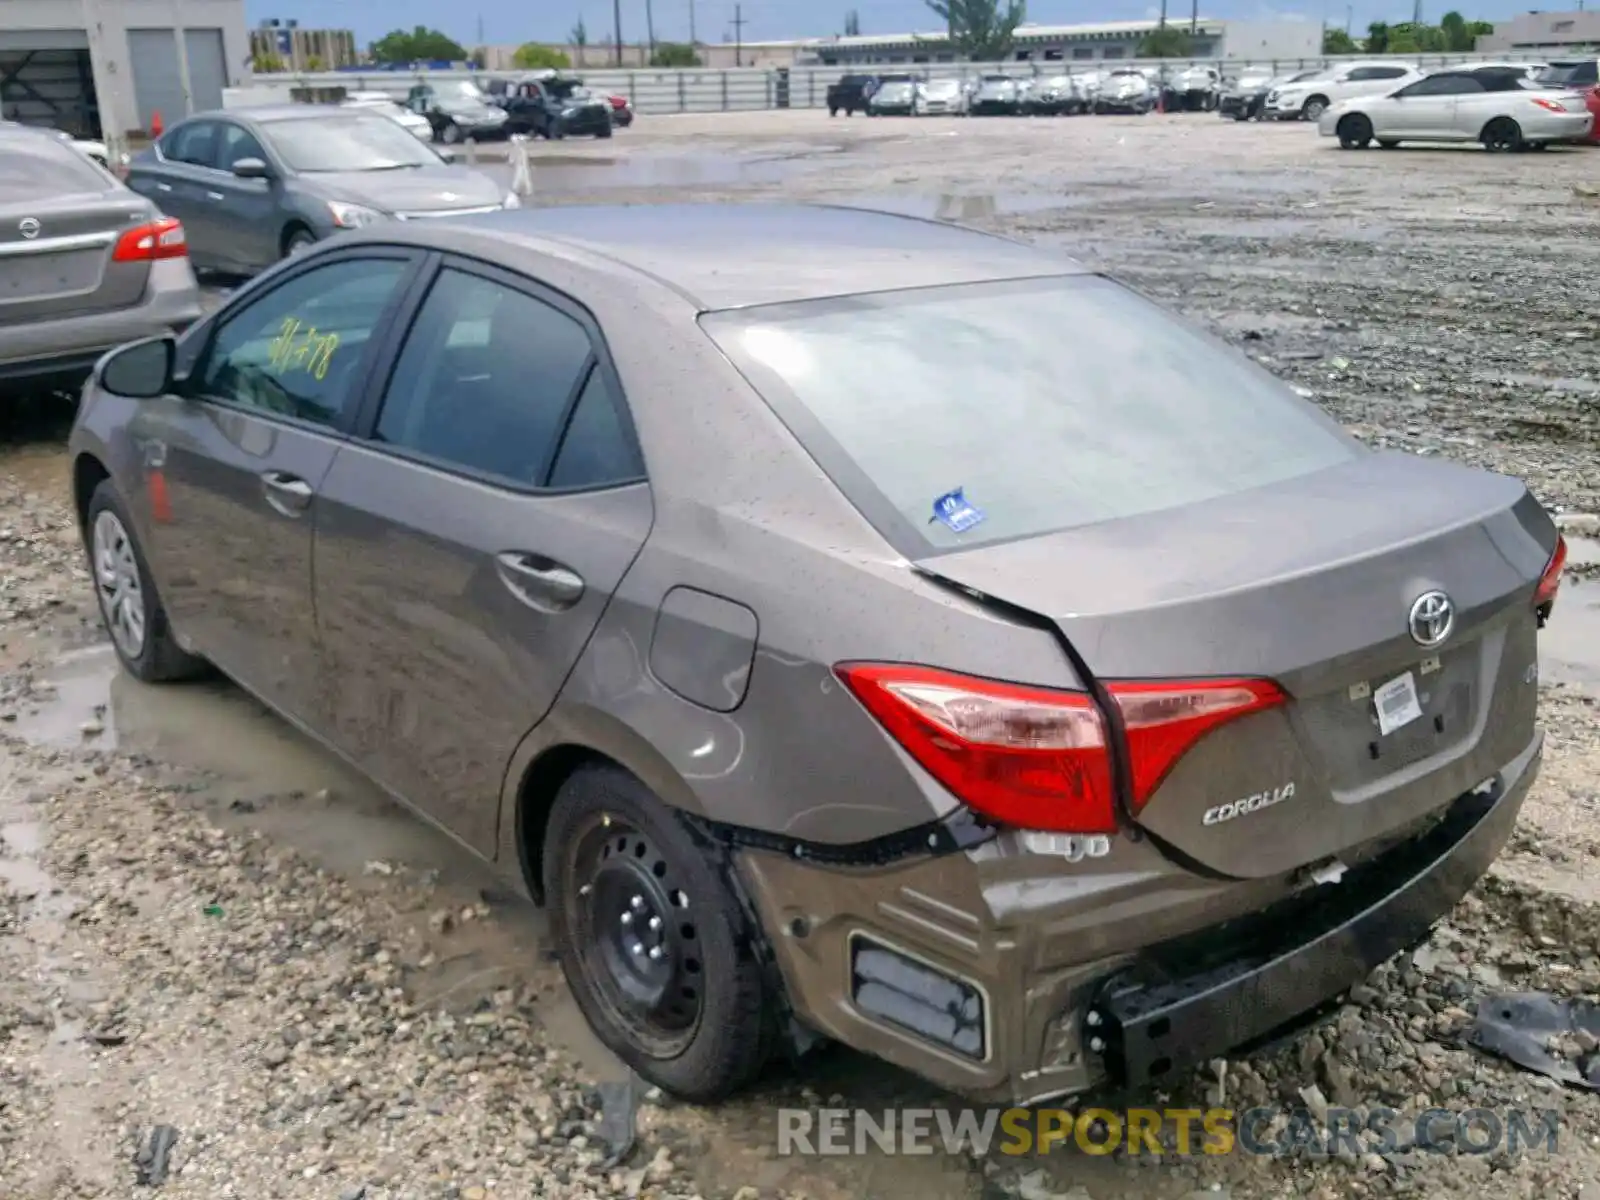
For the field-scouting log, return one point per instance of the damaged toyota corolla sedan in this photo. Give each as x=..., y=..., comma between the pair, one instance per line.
x=851, y=627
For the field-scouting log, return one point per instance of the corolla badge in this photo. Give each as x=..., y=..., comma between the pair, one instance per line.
x=28, y=227
x=1433, y=616
x=1248, y=804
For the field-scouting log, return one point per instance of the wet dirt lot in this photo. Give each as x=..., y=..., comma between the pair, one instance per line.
x=206, y=922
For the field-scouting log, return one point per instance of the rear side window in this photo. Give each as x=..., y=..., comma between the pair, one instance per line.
x=485, y=379
x=596, y=450
x=1045, y=404
x=35, y=166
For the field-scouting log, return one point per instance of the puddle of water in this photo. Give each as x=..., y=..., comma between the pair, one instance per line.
x=581, y=172
x=1569, y=646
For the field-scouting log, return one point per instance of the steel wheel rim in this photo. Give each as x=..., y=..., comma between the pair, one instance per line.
x=117, y=583
x=636, y=937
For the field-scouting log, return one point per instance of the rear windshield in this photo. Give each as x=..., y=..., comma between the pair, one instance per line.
x=1045, y=404
x=35, y=166
x=1570, y=73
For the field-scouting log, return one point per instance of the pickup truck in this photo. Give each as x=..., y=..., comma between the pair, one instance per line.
x=851, y=93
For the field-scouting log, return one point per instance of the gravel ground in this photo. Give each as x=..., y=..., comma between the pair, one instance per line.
x=207, y=924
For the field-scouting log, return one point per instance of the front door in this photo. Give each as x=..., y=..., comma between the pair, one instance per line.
x=470, y=537
x=240, y=213
x=242, y=448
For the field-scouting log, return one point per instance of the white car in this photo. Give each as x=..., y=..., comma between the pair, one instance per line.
x=1127, y=90
x=1307, y=99
x=1498, y=107
x=941, y=97
x=393, y=109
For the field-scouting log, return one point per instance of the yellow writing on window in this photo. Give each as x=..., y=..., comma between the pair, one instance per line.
x=299, y=347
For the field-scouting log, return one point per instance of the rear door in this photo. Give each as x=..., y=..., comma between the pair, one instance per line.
x=60, y=219
x=470, y=538
x=243, y=447
x=178, y=177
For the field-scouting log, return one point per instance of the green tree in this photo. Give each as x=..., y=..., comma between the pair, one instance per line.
x=1166, y=41
x=1337, y=41
x=980, y=30
x=1404, y=41
x=267, y=64
x=1378, y=38
x=420, y=45
x=674, y=54
x=531, y=56
x=852, y=24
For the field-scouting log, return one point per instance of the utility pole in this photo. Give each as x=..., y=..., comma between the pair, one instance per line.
x=650, y=27
x=1349, y=18
x=693, y=41
x=1194, y=18
x=1162, y=24
x=738, y=35
x=1416, y=14
x=616, y=30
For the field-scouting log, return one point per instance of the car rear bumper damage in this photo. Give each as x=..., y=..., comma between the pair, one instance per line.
x=1011, y=977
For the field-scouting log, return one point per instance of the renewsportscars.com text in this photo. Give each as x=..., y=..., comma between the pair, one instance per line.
x=1265, y=1131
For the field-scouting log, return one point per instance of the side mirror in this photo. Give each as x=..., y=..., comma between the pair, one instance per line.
x=252, y=168
x=140, y=370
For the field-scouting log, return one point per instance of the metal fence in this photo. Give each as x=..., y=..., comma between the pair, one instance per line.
x=755, y=89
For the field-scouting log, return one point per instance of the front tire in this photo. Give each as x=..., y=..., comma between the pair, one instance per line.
x=450, y=135
x=1314, y=108
x=298, y=240
x=652, y=942
x=1355, y=132
x=130, y=606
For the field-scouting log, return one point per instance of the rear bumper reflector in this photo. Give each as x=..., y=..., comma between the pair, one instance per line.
x=1244, y=985
x=895, y=988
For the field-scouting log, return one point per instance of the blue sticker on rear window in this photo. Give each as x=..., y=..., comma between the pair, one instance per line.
x=956, y=511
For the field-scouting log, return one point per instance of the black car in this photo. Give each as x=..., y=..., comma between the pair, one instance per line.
x=457, y=110
x=851, y=94
x=555, y=106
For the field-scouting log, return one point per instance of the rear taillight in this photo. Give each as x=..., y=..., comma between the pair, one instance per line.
x=146, y=243
x=1036, y=758
x=1550, y=105
x=1544, y=596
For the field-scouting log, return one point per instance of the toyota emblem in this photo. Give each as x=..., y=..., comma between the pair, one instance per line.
x=1433, y=616
x=28, y=227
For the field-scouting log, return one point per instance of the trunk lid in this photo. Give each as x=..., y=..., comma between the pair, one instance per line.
x=55, y=254
x=1311, y=583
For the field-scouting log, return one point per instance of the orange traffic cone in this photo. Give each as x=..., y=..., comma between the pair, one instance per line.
x=156, y=127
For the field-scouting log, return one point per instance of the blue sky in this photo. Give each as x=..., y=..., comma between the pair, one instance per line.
x=512, y=21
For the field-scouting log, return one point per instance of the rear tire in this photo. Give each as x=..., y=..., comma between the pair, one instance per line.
x=625, y=880
x=129, y=604
x=1502, y=136
x=450, y=135
x=1355, y=132
x=1314, y=108
x=603, y=133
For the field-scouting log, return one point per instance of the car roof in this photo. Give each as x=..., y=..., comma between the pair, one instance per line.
x=738, y=255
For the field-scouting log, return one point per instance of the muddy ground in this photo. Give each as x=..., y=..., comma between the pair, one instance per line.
x=207, y=923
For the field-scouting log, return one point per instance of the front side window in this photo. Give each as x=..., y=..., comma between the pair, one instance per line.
x=295, y=352
x=484, y=380
x=236, y=143
x=1047, y=403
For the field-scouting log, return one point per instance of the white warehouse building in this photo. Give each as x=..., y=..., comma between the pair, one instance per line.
x=102, y=68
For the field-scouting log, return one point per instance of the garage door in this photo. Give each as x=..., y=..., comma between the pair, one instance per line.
x=157, y=85
x=45, y=79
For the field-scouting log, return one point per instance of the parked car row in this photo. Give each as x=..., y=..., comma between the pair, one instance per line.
x=1121, y=89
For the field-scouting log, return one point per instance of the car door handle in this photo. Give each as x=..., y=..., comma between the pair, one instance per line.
x=539, y=581
x=289, y=494
x=163, y=187
x=214, y=196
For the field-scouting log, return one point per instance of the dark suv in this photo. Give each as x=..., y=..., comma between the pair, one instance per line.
x=553, y=106
x=851, y=93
